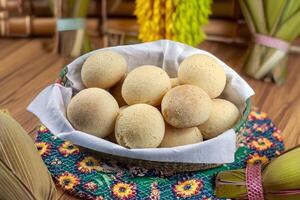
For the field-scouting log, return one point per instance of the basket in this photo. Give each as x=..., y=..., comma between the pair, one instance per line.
x=164, y=167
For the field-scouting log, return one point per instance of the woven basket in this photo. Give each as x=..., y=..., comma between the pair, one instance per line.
x=164, y=167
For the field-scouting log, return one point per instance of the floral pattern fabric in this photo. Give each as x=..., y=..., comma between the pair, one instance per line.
x=90, y=177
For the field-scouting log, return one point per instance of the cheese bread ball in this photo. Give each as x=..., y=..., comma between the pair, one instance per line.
x=203, y=71
x=145, y=84
x=181, y=136
x=93, y=111
x=111, y=137
x=116, y=92
x=123, y=108
x=224, y=115
x=186, y=106
x=139, y=126
x=103, y=69
x=174, y=82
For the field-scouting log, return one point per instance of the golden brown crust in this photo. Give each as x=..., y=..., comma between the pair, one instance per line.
x=186, y=106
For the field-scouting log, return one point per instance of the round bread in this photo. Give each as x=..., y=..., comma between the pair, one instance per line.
x=139, y=126
x=111, y=137
x=145, y=84
x=123, y=108
x=174, y=82
x=116, y=92
x=224, y=115
x=103, y=69
x=186, y=106
x=181, y=136
x=93, y=111
x=203, y=71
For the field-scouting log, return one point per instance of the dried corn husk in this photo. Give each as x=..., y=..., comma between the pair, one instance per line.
x=280, y=179
x=23, y=174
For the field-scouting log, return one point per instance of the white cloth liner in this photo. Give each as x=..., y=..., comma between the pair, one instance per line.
x=50, y=106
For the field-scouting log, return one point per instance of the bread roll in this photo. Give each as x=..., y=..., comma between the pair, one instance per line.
x=93, y=111
x=224, y=116
x=181, y=136
x=140, y=126
x=186, y=106
x=116, y=92
x=103, y=69
x=174, y=82
x=145, y=84
x=203, y=71
x=111, y=137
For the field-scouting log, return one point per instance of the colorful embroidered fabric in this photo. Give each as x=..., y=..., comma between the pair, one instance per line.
x=98, y=178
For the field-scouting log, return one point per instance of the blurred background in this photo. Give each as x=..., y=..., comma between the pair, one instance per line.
x=74, y=27
x=259, y=39
x=113, y=22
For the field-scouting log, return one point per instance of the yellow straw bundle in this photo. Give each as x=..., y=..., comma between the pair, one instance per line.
x=172, y=19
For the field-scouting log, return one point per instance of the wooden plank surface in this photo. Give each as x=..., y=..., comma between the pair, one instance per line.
x=25, y=69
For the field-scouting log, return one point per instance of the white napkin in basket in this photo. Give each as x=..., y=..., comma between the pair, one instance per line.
x=50, y=106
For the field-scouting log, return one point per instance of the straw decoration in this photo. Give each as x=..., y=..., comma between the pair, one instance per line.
x=172, y=19
x=274, y=26
x=276, y=180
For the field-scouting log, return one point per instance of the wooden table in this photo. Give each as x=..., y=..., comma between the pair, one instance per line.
x=25, y=69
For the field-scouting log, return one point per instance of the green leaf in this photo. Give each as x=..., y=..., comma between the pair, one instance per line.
x=256, y=9
x=272, y=58
x=292, y=7
x=278, y=176
x=279, y=72
x=283, y=172
x=253, y=61
x=290, y=29
x=247, y=16
x=231, y=184
x=273, y=13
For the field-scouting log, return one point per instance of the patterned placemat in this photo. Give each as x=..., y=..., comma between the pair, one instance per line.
x=90, y=177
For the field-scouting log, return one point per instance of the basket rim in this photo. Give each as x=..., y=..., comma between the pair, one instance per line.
x=244, y=118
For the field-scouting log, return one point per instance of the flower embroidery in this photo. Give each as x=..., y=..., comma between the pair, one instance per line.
x=261, y=144
x=89, y=164
x=257, y=159
x=187, y=188
x=43, y=129
x=257, y=115
x=124, y=191
x=67, y=148
x=68, y=181
x=43, y=148
x=90, y=186
x=55, y=161
x=277, y=135
x=262, y=128
x=155, y=193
